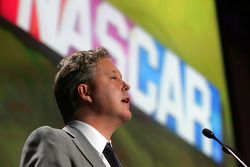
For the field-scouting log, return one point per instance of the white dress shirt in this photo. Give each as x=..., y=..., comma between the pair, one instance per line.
x=96, y=139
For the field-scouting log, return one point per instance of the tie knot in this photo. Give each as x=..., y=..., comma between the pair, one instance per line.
x=111, y=156
x=108, y=146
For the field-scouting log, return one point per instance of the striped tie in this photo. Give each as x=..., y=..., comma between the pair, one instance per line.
x=111, y=156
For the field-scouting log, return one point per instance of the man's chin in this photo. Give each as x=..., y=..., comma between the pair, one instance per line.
x=127, y=116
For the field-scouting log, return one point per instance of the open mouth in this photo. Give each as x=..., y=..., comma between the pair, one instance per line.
x=125, y=100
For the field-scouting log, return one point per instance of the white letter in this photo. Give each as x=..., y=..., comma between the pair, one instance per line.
x=49, y=19
x=139, y=39
x=171, y=97
x=108, y=16
x=197, y=112
x=24, y=14
x=76, y=27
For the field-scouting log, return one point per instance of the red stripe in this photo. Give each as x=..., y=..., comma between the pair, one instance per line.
x=34, y=29
x=8, y=10
x=62, y=7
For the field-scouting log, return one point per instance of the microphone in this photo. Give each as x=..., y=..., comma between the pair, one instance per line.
x=209, y=134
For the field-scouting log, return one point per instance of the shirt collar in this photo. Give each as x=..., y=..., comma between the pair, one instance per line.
x=96, y=139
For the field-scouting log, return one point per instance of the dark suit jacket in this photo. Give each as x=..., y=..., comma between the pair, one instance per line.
x=67, y=147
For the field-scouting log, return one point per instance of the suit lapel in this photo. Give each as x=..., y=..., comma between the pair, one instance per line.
x=84, y=146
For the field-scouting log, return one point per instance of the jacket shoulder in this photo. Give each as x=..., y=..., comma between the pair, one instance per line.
x=44, y=146
x=44, y=132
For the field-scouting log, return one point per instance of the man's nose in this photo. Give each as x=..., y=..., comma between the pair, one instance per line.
x=126, y=86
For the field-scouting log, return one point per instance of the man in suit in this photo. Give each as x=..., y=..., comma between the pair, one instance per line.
x=93, y=101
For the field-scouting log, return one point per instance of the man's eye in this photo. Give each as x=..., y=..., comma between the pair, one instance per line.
x=114, y=77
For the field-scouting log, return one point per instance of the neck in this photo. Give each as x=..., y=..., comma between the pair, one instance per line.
x=103, y=123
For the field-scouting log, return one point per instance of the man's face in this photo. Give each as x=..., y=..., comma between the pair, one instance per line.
x=109, y=92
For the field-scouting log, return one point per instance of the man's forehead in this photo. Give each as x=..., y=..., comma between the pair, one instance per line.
x=107, y=65
x=116, y=71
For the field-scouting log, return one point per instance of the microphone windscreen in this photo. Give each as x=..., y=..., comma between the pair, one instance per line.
x=208, y=133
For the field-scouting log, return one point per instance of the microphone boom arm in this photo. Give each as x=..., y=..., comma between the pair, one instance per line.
x=209, y=134
x=235, y=156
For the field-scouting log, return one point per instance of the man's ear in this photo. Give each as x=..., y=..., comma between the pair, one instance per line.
x=83, y=91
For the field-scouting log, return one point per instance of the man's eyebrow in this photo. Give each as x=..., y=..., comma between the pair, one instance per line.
x=116, y=72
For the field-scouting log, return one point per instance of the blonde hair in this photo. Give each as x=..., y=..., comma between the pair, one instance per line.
x=72, y=71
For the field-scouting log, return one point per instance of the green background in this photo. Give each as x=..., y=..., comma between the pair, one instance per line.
x=189, y=28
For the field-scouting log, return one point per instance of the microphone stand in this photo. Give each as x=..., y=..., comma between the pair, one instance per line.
x=229, y=151
x=209, y=134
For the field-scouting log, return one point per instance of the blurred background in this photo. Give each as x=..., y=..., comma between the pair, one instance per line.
x=186, y=62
